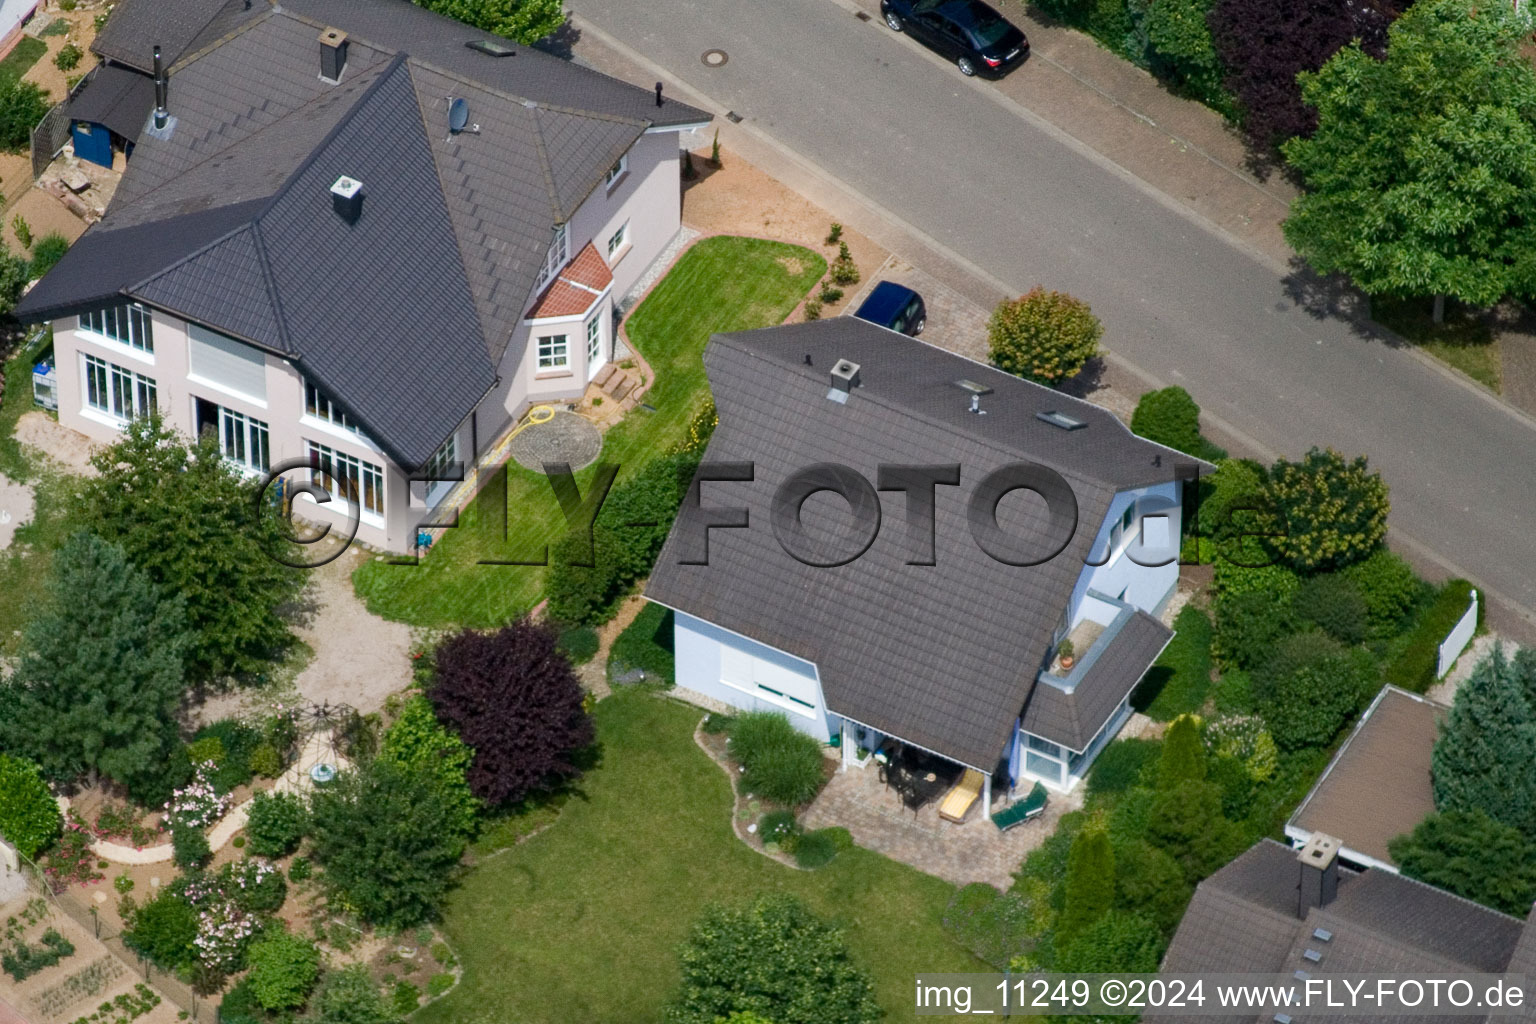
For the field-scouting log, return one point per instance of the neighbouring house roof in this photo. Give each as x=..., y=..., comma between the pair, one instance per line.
x=117, y=97
x=178, y=27
x=403, y=316
x=1073, y=716
x=1378, y=785
x=576, y=287
x=1244, y=919
x=943, y=656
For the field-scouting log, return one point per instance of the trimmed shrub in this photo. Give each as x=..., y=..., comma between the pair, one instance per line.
x=238, y=741
x=775, y=958
x=650, y=497
x=1183, y=755
x=276, y=824
x=1232, y=498
x=1118, y=942
x=1391, y=590
x=29, y=816
x=417, y=742
x=815, y=849
x=1177, y=683
x=1232, y=578
x=1414, y=667
x=266, y=761
x=1310, y=688
x=256, y=886
x=1233, y=693
x=1249, y=625
x=1043, y=336
x=579, y=644
x=350, y=996
x=645, y=644
x=284, y=969
x=68, y=57
x=1331, y=511
x=1121, y=765
x=585, y=580
x=1333, y=603
x=47, y=252
x=782, y=764
x=1170, y=417
x=163, y=930
x=1148, y=881
x=189, y=847
x=22, y=106
x=1089, y=889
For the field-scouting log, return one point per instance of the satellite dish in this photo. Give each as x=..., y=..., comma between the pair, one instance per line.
x=458, y=117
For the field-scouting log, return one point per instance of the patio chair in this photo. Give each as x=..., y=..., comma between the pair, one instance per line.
x=1020, y=811
x=962, y=798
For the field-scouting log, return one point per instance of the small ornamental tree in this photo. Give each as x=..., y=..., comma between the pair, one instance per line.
x=1482, y=760
x=1471, y=855
x=29, y=817
x=100, y=677
x=1043, y=336
x=350, y=996
x=418, y=742
x=1172, y=418
x=513, y=697
x=1329, y=512
x=774, y=958
x=525, y=21
x=1089, y=889
x=1183, y=757
x=182, y=514
x=284, y=968
x=388, y=843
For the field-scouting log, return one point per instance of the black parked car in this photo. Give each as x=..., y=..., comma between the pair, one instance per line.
x=891, y=305
x=968, y=32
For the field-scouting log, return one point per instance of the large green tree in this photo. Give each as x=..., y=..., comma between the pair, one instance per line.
x=190, y=521
x=100, y=679
x=388, y=841
x=526, y=21
x=1487, y=745
x=1472, y=855
x=1421, y=176
x=417, y=741
x=774, y=958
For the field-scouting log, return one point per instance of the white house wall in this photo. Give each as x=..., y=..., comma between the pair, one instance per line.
x=730, y=668
x=1146, y=586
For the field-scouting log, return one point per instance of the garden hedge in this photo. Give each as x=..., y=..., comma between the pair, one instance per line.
x=646, y=644
x=29, y=817
x=1414, y=667
x=782, y=764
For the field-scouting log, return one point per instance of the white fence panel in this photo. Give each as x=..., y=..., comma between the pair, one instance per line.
x=1457, y=642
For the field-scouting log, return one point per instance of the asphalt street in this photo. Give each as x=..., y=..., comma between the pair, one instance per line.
x=1177, y=300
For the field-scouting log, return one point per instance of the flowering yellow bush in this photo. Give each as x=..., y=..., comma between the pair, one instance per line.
x=1043, y=336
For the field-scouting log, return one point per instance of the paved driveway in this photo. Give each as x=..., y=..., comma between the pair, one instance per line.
x=1262, y=353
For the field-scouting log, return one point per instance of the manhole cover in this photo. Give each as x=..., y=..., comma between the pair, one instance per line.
x=715, y=58
x=566, y=437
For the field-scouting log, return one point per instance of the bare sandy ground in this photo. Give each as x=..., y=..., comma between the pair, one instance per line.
x=67, y=447
x=359, y=658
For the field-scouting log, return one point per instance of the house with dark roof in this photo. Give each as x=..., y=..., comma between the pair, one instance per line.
x=359, y=234
x=1302, y=914
x=1013, y=518
x=1378, y=785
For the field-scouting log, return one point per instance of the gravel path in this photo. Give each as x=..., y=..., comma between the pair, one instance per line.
x=360, y=658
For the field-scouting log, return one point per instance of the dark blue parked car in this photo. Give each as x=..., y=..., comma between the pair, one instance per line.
x=978, y=39
x=894, y=306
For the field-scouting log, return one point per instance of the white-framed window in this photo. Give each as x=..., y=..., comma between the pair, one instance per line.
x=117, y=392
x=554, y=352
x=595, y=340
x=445, y=456
x=244, y=440
x=129, y=323
x=319, y=405
x=617, y=171
x=557, y=257
x=618, y=240
x=357, y=482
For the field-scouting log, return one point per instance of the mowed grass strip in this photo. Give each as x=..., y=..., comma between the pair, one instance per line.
x=721, y=284
x=582, y=922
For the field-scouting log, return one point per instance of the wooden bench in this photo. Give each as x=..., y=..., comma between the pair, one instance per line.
x=960, y=799
x=1020, y=811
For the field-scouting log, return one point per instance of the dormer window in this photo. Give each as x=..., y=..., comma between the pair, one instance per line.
x=555, y=260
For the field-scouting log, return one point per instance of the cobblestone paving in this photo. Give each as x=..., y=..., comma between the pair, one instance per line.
x=971, y=852
x=565, y=438
x=954, y=322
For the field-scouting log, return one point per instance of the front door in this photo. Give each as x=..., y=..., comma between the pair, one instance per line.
x=596, y=356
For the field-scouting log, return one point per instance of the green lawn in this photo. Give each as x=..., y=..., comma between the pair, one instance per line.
x=27, y=52
x=581, y=922
x=721, y=284
x=1178, y=682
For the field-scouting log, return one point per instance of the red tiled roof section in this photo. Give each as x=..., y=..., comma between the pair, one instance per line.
x=576, y=289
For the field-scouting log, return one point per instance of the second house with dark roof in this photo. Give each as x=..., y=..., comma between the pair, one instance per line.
x=362, y=235
x=937, y=615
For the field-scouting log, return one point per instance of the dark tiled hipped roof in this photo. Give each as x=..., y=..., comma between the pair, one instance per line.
x=943, y=656
x=178, y=27
x=1243, y=919
x=117, y=97
x=402, y=316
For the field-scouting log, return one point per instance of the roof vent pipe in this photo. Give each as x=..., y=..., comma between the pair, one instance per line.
x=333, y=54
x=161, y=114
x=347, y=198
x=658, y=94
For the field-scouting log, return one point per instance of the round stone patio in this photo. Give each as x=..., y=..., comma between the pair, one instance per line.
x=566, y=437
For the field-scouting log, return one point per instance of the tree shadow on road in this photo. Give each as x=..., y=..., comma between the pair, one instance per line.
x=1332, y=297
